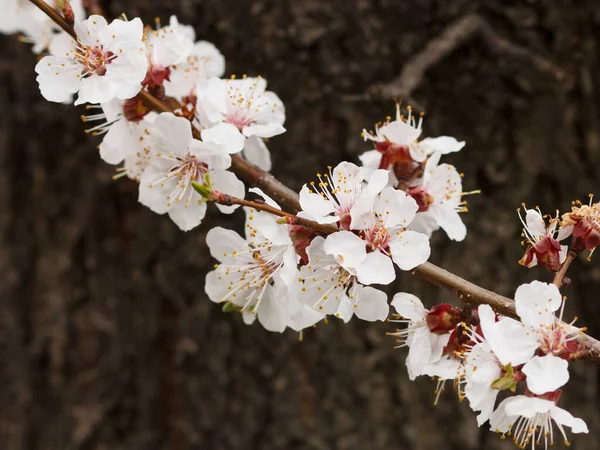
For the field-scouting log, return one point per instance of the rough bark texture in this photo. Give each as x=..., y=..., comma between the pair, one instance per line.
x=107, y=340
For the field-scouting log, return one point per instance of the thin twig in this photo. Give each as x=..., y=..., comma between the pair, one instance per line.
x=560, y=275
x=227, y=200
x=453, y=36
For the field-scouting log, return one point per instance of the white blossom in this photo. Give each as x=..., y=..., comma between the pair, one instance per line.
x=329, y=285
x=106, y=62
x=384, y=226
x=425, y=347
x=544, y=240
x=529, y=421
x=403, y=134
x=438, y=194
x=255, y=274
x=165, y=48
x=244, y=103
x=177, y=160
x=332, y=199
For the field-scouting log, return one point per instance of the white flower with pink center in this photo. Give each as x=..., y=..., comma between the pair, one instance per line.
x=329, y=285
x=397, y=140
x=439, y=196
x=332, y=199
x=176, y=161
x=255, y=273
x=165, y=48
x=383, y=224
x=425, y=348
x=106, y=62
x=529, y=420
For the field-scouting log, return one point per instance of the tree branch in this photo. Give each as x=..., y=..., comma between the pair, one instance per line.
x=466, y=291
x=560, y=275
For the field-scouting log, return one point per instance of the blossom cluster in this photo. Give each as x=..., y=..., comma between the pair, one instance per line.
x=356, y=225
x=488, y=355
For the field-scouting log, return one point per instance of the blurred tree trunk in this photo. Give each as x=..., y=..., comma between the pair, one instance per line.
x=107, y=340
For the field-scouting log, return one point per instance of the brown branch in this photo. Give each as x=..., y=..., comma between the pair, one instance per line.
x=228, y=200
x=560, y=275
x=466, y=291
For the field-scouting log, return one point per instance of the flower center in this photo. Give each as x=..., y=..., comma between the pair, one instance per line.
x=94, y=60
x=377, y=237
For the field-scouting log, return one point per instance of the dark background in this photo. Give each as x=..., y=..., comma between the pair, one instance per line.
x=107, y=340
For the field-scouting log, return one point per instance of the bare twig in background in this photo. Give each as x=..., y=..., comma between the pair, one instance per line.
x=455, y=35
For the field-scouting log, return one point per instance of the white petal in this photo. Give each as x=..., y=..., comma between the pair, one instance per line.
x=188, y=216
x=442, y=144
x=419, y=352
x=370, y=160
x=314, y=203
x=268, y=200
x=170, y=134
x=410, y=249
x=257, y=153
x=272, y=311
x=535, y=223
x=511, y=341
x=528, y=407
x=95, y=89
x=117, y=142
x=409, y=306
x=425, y=222
x=400, y=132
x=305, y=318
x=450, y=221
x=445, y=368
x=347, y=248
x=546, y=373
x=224, y=244
x=536, y=302
x=564, y=417
x=226, y=136
x=564, y=232
x=376, y=268
x=345, y=309
x=378, y=180
x=396, y=207
x=371, y=304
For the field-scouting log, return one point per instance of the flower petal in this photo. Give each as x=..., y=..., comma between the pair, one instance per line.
x=546, y=373
x=409, y=306
x=536, y=302
x=376, y=268
x=410, y=249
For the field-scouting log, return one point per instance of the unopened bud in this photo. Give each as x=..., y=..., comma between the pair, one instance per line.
x=508, y=380
x=204, y=190
x=67, y=10
x=443, y=318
